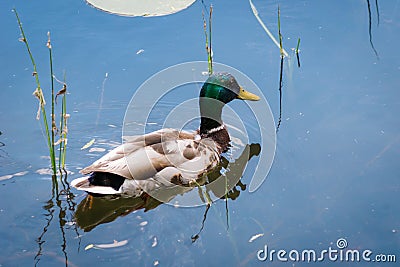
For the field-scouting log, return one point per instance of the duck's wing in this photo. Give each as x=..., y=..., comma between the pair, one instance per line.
x=142, y=157
x=114, y=161
x=159, y=136
x=187, y=156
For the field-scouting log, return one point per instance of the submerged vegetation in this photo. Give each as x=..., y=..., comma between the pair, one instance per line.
x=370, y=25
x=62, y=200
x=51, y=133
x=208, y=201
x=267, y=31
x=281, y=69
x=282, y=52
x=58, y=209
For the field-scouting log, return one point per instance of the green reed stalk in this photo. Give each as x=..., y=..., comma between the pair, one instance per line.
x=281, y=70
x=203, y=193
x=39, y=94
x=297, y=47
x=208, y=40
x=65, y=131
x=297, y=52
x=265, y=28
x=279, y=32
x=63, y=127
x=53, y=115
x=226, y=202
x=210, y=59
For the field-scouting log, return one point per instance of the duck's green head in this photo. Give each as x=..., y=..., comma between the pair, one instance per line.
x=218, y=90
x=224, y=87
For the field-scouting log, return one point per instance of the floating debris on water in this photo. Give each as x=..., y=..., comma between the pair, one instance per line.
x=6, y=177
x=254, y=237
x=45, y=171
x=97, y=149
x=154, y=242
x=49, y=171
x=88, y=144
x=115, y=244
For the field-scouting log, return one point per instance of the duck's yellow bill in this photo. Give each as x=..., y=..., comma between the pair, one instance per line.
x=245, y=95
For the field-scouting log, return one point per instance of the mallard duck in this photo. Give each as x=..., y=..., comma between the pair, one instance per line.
x=92, y=212
x=166, y=157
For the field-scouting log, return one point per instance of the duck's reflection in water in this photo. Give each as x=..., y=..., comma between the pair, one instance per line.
x=95, y=210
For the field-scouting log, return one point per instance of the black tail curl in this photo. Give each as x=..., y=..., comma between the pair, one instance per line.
x=106, y=179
